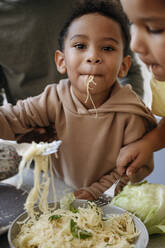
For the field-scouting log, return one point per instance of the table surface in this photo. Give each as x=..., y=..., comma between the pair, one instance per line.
x=156, y=241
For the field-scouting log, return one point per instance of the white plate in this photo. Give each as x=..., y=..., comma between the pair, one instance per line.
x=141, y=242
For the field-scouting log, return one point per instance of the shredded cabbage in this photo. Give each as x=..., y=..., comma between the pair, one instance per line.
x=146, y=201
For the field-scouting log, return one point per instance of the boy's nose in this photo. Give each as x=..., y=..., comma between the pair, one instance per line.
x=93, y=57
x=94, y=60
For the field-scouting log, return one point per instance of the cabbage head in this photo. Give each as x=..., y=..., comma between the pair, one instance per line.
x=146, y=201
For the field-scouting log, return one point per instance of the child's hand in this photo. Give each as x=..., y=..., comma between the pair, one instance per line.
x=38, y=134
x=83, y=194
x=138, y=156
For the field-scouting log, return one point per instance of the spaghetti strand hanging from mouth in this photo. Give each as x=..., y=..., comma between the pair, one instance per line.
x=90, y=80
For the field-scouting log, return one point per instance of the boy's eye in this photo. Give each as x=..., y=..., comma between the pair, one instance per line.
x=79, y=46
x=108, y=48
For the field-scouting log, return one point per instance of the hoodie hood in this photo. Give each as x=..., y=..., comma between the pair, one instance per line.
x=122, y=99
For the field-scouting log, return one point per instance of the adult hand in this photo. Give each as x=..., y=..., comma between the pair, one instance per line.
x=83, y=194
x=135, y=160
x=123, y=182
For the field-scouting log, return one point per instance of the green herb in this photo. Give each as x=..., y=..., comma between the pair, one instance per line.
x=77, y=232
x=54, y=217
x=72, y=209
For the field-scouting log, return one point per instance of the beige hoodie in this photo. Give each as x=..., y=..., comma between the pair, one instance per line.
x=87, y=156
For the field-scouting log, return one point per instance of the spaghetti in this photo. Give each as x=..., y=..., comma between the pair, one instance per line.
x=67, y=227
x=82, y=228
x=42, y=180
x=88, y=81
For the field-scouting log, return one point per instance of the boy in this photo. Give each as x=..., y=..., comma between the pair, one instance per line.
x=93, y=115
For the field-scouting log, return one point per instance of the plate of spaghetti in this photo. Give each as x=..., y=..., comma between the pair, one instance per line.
x=69, y=223
x=83, y=225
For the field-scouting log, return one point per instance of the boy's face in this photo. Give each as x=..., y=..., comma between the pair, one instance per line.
x=148, y=32
x=93, y=46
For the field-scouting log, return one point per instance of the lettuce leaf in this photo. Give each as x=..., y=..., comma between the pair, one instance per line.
x=146, y=201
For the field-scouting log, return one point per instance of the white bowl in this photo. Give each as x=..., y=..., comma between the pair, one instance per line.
x=143, y=238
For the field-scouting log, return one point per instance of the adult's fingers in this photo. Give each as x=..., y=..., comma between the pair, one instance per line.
x=141, y=161
x=122, y=162
x=141, y=173
x=133, y=167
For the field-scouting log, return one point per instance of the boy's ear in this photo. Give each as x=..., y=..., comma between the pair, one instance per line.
x=60, y=61
x=125, y=66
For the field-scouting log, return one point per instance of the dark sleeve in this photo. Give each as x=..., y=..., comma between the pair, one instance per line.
x=134, y=76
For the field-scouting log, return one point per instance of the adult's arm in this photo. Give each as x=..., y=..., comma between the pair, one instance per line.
x=137, y=154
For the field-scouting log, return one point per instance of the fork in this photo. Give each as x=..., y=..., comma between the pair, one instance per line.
x=51, y=147
x=108, y=195
x=46, y=148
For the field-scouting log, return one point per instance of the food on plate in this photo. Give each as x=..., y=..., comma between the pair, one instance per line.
x=78, y=227
x=67, y=226
x=146, y=201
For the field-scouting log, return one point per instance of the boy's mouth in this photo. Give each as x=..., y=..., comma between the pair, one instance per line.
x=92, y=74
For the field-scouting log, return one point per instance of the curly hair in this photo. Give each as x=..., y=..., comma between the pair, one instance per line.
x=108, y=8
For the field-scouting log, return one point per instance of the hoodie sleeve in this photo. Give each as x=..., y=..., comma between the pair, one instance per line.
x=33, y=112
x=97, y=188
x=136, y=127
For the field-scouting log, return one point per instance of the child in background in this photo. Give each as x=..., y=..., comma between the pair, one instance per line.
x=148, y=41
x=93, y=114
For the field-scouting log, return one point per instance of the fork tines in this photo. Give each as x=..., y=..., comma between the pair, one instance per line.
x=103, y=200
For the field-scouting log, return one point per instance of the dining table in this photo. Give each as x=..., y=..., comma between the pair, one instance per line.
x=155, y=241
